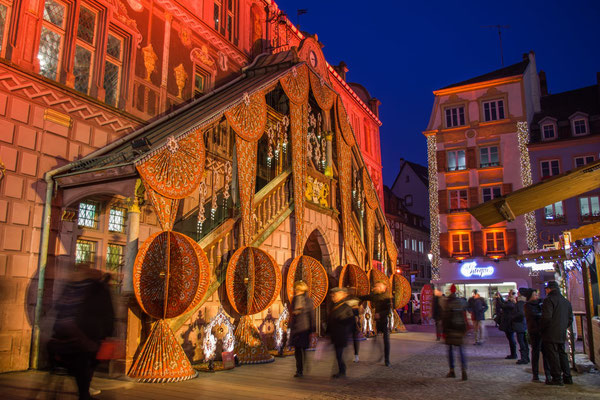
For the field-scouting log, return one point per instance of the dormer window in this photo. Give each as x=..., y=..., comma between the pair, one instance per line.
x=548, y=132
x=579, y=124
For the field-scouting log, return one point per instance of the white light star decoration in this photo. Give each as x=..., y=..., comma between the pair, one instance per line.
x=172, y=144
x=280, y=327
x=209, y=343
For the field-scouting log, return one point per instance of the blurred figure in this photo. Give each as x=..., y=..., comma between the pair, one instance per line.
x=498, y=301
x=533, y=316
x=519, y=325
x=354, y=303
x=302, y=324
x=339, y=326
x=477, y=306
x=381, y=301
x=508, y=309
x=557, y=316
x=84, y=318
x=437, y=313
x=454, y=320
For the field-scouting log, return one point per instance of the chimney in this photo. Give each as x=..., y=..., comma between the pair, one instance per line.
x=341, y=69
x=543, y=84
x=525, y=56
x=374, y=106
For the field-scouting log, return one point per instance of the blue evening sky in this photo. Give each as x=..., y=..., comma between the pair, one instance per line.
x=403, y=50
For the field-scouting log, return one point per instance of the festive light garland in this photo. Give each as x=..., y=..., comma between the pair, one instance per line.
x=209, y=344
x=526, y=180
x=434, y=211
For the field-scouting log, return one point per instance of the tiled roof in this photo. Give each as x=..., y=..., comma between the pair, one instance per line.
x=511, y=70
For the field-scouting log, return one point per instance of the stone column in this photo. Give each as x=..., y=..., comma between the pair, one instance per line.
x=329, y=168
x=133, y=231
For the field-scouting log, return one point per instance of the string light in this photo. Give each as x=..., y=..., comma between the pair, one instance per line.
x=526, y=180
x=434, y=213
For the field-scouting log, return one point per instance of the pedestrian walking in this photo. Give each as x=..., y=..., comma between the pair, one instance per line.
x=381, y=301
x=508, y=309
x=84, y=318
x=437, y=313
x=339, y=327
x=354, y=303
x=557, y=316
x=533, y=316
x=519, y=325
x=477, y=306
x=454, y=321
x=302, y=324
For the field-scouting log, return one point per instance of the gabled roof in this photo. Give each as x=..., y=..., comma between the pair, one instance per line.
x=421, y=171
x=511, y=70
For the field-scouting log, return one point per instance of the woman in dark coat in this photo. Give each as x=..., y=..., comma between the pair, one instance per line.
x=339, y=326
x=454, y=322
x=519, y=325
x=533, y=316
x=302, y=324
x=508, y=310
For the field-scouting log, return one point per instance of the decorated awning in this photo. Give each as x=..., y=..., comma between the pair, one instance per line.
x=531, y=198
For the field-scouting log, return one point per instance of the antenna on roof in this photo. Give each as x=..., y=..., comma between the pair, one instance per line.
x=499, y=27
x=301, y=11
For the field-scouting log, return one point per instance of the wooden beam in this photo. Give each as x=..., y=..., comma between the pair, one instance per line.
x=585, y=231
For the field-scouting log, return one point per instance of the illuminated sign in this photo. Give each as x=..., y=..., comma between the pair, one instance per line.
x=470, y=269
x=547, y=266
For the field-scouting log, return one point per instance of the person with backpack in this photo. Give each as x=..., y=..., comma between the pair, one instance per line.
x=454, y=322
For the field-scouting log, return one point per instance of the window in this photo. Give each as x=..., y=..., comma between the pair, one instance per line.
x=456, y=160
x=408, y=200
x=88, y=215
x=489, y=193
x=116, y=220
x=414, y=245
x=461, y=243
x=406, y=244
x=114, y=257
x=84, y=49
x=200, y=81
x=589, y=206
x=113, y=67
x=548, y=132
x=4, y=18
x=52, y=38
x=488, y=156
x=455, y=117
x=554, y=212
x=217, y=15
x=230, y=17
x=493, y=110
x=494, y=241
x=579, y=127
x=550, y=168
x=85, y=252
x=421, y=247
x=581, y=161
x=459, y=199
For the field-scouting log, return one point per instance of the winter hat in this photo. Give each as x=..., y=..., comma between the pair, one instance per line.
x=530, y=293
x=523, y=291
x=552, y=285
x=453, y=288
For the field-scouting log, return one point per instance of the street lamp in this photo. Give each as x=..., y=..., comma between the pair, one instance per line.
x=430, y=256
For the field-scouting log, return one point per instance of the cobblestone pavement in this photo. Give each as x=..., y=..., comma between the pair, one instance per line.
x=418, y=370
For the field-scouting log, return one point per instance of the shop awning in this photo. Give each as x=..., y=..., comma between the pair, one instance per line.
x=549, y=191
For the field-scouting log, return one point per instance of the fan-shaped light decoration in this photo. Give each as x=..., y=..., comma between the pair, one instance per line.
x=171, y=274
x=246, y=160
x=249, y=347
x=370, y=193
x=344, y=124
x=267, y=331
x=298, y=129
x=352, y=276
x=295, y=84
x=401, y=291
x=175, y=170
x=165, y=209
x=344, y=156
x=162, y=359
x=249, y=118
x=395, y=323
x=370, y=231
x=323, y=94
x=376, y=276
x=209, y=343
x=390, y=245
x=309, y=270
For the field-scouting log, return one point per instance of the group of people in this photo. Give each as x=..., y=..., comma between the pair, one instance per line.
x=543, y=324
x=342, y=322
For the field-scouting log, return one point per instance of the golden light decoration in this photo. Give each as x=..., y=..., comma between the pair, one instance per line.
x=526, y=179
x=434, y=211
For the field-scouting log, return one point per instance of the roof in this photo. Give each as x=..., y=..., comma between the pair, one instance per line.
x=420, y=170
x=511, y=70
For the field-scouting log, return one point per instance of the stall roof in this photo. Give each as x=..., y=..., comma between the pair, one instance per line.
x=531, y=198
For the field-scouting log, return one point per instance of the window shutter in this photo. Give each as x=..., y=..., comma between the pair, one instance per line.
x=444, y=245
x=443, y=201
x=478, y=243
x=471, y=158
x=511, y=241
x=473, y=196
x=506, y=188
x=441, y=161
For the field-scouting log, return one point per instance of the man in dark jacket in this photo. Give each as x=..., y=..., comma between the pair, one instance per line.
x=508, y=309
x=302, y=324
x=477, y=307
x=381, y=301
x=437, y=313
x=520, y=326
x=557, y=316
x=454, y=321
x=533, y=316
x=339, y=326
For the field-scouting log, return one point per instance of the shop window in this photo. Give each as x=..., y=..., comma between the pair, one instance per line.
x=88, y=215
x=114, y=257
x=459, y=200
x=493, y=110
x=550, y=168
x=589, y=208
x=52, y=38
x=85, y=252
x=461, y=244
x=554, y=212
x=116, y=220
x=488, y=157
x=489, y=193
x=113, y=69
x=494, y=242
x=581, y=161
x=456, y=160
x=455, y=116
